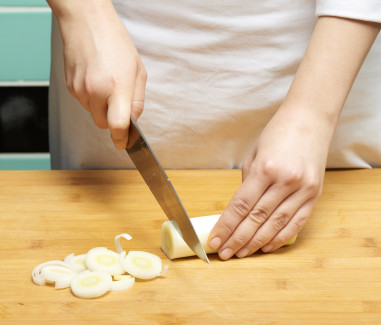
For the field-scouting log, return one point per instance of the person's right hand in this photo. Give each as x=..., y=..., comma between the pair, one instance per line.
x=102, y=66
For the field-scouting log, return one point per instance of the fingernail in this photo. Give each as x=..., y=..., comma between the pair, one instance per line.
x=243, y=252
x=226, y=253
x=215, y=243
x=267, y=248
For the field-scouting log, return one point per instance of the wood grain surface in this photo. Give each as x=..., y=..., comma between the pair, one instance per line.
x=331, y=275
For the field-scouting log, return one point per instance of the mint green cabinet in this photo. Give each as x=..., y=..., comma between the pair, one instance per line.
x=26, y=3
x=25, y=161
x=25, y=28
x=25, y=45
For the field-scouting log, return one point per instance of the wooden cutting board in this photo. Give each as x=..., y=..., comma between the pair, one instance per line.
x=332, y=275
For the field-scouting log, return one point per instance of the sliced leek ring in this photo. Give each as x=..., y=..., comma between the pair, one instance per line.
x=118, y=246
x=76, y=262
x=103, y=260
x=91, y=284
x=141, y=265
x=100, y=270
x=37, y=276
x=122, y=282
x=60, y=275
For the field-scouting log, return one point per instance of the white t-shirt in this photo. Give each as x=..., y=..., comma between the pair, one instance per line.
x=217, y=72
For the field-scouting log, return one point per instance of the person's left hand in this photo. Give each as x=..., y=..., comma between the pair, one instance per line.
x=283, y=177
x=282, y=181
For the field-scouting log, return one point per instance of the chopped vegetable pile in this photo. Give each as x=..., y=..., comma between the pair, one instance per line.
x=99, y=271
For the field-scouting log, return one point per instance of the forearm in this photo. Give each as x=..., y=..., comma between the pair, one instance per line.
x=326, y=74
x=79, y=8
x=83, y=16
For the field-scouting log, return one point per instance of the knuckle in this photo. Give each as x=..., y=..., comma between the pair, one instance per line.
x=138, y=107
x=288, y=175
x=280, y=220
x=241, y=207
x=313, y=186
x=268, y=168
x=293, y=176
x=99, y=85
x=301, y=221
x=90, y=87
x=239, y=240
x=257, y=243
x=258, y=216
x=226, y=229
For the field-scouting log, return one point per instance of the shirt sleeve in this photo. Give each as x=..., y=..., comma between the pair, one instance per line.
x=368, y=10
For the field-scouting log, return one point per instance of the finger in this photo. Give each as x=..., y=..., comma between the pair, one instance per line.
x=76, y=87
x=292, y=228
x=98, y=109
x=257, y=217
x=93, y=91
x=118, y=117
x=137, y=105
x=238, y=208
x=275, y=223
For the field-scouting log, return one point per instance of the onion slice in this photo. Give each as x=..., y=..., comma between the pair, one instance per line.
x=118, y=246
x=141, y=265
x=91, y=284
x=103, y=260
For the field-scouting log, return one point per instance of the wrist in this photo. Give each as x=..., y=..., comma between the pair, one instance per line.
x=82, y=21
x=71, y=12
x=325, y=76
x=310, y=116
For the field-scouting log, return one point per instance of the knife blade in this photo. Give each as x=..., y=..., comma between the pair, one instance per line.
x=161, y=187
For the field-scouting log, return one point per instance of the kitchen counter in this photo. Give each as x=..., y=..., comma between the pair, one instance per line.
x=331, y=275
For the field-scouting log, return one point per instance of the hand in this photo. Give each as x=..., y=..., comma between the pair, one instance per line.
x=282, y=181
x=102, y=66
x=282, y=178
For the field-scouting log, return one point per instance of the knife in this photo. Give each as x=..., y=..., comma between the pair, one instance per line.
x=161, y=187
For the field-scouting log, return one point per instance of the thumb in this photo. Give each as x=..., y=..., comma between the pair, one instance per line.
x=118, y=117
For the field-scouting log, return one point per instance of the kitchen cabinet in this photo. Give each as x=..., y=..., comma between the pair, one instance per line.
x=25, y=28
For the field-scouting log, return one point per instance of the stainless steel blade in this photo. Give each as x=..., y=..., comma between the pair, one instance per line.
x=161, y=187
